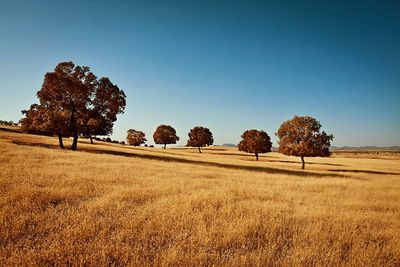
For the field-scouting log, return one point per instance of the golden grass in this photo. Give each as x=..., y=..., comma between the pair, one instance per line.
x=117, y=205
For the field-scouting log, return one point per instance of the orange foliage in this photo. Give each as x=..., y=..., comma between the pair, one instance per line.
x=301, y=137
x=199, y=137
x=254, y=141
x=74, y=98
x=135, y=138
x=165, y=134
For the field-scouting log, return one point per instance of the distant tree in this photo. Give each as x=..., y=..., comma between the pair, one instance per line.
x=8, y=123
x=301, y=137
x=200, y=137
x=135, y=138
x=254, y=141
x=91, y=104
x=46, y=121
x=164, y=135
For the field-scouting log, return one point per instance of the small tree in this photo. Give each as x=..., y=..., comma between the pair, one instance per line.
x=301, y=137
x=164, y=135
x=254, y=141
x=135, y=138
x=46, y=121
x=200, y=137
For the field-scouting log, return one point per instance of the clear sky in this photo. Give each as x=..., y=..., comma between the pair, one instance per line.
x=226, y=65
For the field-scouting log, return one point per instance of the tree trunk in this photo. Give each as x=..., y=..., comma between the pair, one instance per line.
x=199, y=150
x=165, y=146
x=303, y=163
x=75, y=141
x=91, y=138
x=60, y=140
x=74, y=130
x=256, y=156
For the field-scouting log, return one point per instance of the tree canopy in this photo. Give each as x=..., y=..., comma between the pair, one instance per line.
x=301, y=137
x=45, y=121
x=135, y=138
x=254, y=141
x=165, y=134
x=200, y=137
x=88, y=105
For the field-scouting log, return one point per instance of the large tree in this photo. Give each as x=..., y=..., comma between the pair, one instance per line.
x=199, y=137
x=301, y=137
x=135, y=138
x=92, y=104
x=164, y=135
x=254, y=141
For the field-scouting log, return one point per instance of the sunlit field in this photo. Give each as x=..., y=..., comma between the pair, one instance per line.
x=111, y=204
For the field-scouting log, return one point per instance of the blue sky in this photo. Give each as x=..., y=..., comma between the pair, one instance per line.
x=226, y=65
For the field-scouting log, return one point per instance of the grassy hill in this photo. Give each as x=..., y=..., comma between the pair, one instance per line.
x=109, y=204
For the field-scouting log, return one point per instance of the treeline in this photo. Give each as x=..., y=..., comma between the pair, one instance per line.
x=73, y=102
x=301, y=136
x=8, y=123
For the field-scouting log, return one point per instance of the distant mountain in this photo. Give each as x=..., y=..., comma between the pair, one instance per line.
x=361, y=148
x=229, y=145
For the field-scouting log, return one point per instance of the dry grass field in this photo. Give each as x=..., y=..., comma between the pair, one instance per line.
x=109, y=204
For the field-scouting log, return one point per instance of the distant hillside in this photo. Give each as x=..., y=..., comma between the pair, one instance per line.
x=364, y=148
x=229, y=145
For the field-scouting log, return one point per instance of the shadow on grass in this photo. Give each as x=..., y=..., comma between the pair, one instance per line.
x=251, y=157
x=194, y=149
x=6, y=129
x=265, y=169
x=266, y=159
x=307, y=163
x=364, y=171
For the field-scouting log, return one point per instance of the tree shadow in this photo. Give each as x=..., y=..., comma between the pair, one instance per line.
x=307, y=163
x=364, y=171
x=232, y=154
x=6, y=129
x=265, y=169
x=202, y=149
x=267, y=159
x=36, y=144
x=214, y=164
x=243, y=154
